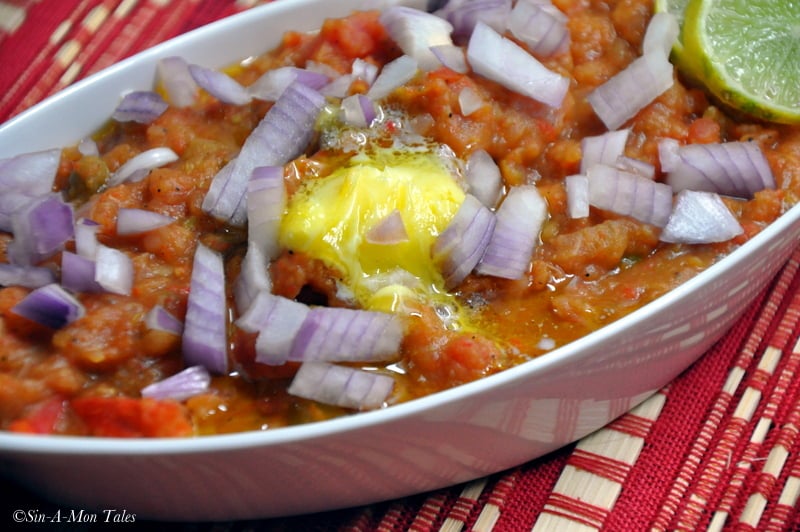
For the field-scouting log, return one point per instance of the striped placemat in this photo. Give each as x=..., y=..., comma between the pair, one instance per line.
x=717, y=449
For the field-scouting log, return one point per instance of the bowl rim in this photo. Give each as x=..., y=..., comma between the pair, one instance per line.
x=83, y=445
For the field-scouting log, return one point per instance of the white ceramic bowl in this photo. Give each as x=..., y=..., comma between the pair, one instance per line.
x=444, y=439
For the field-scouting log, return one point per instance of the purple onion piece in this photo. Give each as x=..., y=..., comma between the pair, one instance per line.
x=192, y=381
x=220, y=85
x=465, y=14
x=541, y=26
x=519, y=223
x=266, y=202
x=341, y=386
x=700, y=218
x=389, y=230
x=51, y=306
x=86, y=237
x=179, y=86
x=205, y=337
x=41, y=229
x=78, y=273
x=484, y=178
x=159, y=319
x=25, y=276
x=137, y=221
x=281, y=136
x=629, y=194
x=415, y=32
x=113, y=270
x=140, y=106
x=270, y=86
x=30, y=173
x=136, y=168
x=577, y=195
x=393, y=74
x=603, y=149
x=452, y=57
x=253, y=278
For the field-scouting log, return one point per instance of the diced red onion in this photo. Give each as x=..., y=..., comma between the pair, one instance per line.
x=469, y=101
x=341, y=386
x=628, y=194
x=635, y=166
x=281, y=136
x=192, y=381
x=358, y=110
x=140, y=106
x=415, y=32
x=30, y=173
x=465, y=14
x=392, y=75
x=497, y=58
x=88, y=147
x=668, y=156
x=51, y=306
x=483, y=177
x=205, y=336
x=661, y=34
x=136, y=221
x=339, y=87
x=519, y=222
x=253, y=278
x=542, y=27
x=137, y=167
x=266, y=202
x=389, y=230
x=730, y=168
x=179, y=86
x=78, y=273
x=277, y=320
x=113, y=270
x=700, y=218
x=364, y=70
x=459, y=248
x=159, y=319
x=25, y=276
x=346, y=335
x=452, y=57
x=272, y=83
x=220, y=85
x=603, y=149
x=11, y=202
x=86, y=237
x=41, y=228
x=629, y=91
x=577, y=195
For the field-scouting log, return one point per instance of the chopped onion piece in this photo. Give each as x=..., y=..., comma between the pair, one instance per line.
x=78, y=273
x=364, y=70
x=179, y=86
x=730, y=168
x=392, y=75
x=136, y=221
x=465, y=14
x=629, y=91
x=191, y=381
x=345, y=335
x=205, y=337
x=668, y=156
x=220, y=85
x=577, y=195
x=88, y=148
x=277, y=320
x=495, y=57
x=137, y=168
x=603, y=149
x=282, y=135
x=253, y=278
x=30, y=173
x=51, y=306
x=41, y=228
x=542, y=27
x=159, y=319
x=86, y=237
x=469, y=101
x=459, y=248
x=25, y=276
x=113, y=270
x=519, y=222
x=452, y=57
x=635, y=166
x=415, y=32
x=358, y=111
x=272, y=83
x=140, y=106
x=661, y=34
x=628, y=194
x=483, y=177
x=266, y=201
x=700, y=218
x=390, y=230
x=341, y=386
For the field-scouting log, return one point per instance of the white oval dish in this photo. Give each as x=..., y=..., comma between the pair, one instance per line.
x=444, y=439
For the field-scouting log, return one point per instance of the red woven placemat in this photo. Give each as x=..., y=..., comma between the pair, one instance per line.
x=716, y=449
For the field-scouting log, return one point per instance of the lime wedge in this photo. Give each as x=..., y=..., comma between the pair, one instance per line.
x=747, y=54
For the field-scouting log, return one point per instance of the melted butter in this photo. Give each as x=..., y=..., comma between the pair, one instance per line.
x=328, y=219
